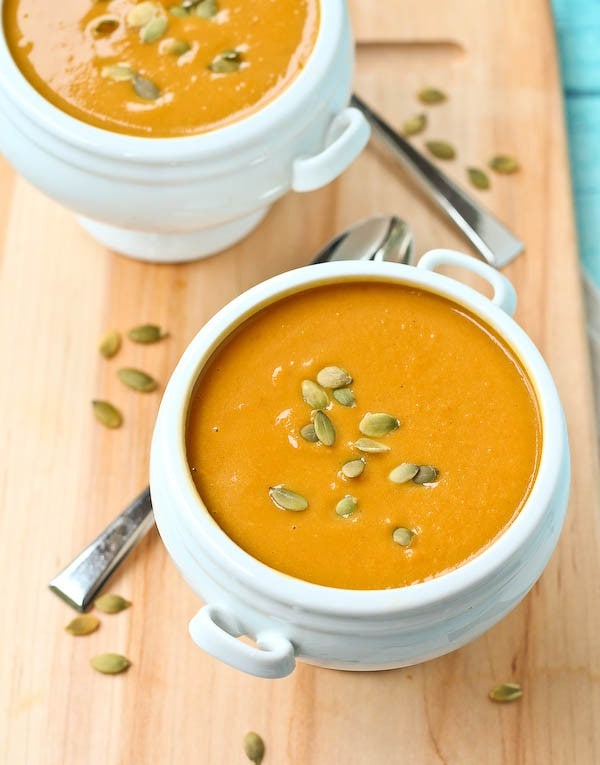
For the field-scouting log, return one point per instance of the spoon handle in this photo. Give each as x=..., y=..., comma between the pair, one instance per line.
x=82, y=579
x=494, y=242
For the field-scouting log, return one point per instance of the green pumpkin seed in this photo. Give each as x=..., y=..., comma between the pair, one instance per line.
x=333, y=377
x=146, y=333
x=506, y=692
x=346, y=506
x=145, y=88
x=83, y=625
x=478, y=178
x=426, y=474
x=286, y=499
x=370, y=447
x=205, y=9
x=431, y=96
x=403, y=473
x=344, y=396
x=176, y=48
x=308, y=433
x=154, y=29
x=109, y=344
x=254, y=747
x=378, y=424
x=403, y=536
x=353, y=468
x=105, y=27
x=142, y=13
x=441, y=149
x=415, y=125
x=136, y=379
x=107, y=414
x=111, y=604
x=110, y=663
x=504, y=164
x=227, y=61
x=314, y=395
x=178, y=11
x=324, y=429
x=118, y=73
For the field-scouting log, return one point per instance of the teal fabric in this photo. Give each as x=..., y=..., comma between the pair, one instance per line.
x=578, y=34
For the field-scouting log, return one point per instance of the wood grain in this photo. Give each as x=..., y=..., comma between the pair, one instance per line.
x=63, y=477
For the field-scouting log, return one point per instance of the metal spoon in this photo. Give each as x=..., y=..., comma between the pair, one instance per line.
x=384, y=237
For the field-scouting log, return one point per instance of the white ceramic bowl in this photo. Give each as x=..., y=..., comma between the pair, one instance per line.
x=173, y=199
x=349, y=629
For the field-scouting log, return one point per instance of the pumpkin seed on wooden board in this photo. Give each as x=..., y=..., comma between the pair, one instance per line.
x=478, y=178
x=110, y=343
x=110, y=603
x=83, y=625
x=441, y=149
x=431, y=96
x=504, y=164
x=137, y=379
x=107, y=414
x=506, y=692
x=414, y=125
x=146, y=333
x=110, y=663
x=254, y=747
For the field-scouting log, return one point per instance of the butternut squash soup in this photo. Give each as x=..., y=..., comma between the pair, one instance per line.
x=363, y=435
x=157, y=69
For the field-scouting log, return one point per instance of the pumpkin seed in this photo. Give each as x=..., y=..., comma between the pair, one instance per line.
x=370, y=447
x=178, y=11
x=506, y=692
x=136, y=379
x=353, y=468
x=314, y=395
x=431, y=96
x=441, y=149
x=83, y=625
x=111, y=604
x=109, y=344
x=403, y=473
x=145, y=88
x=415, y=125
x=227, y=61
x=176, y=48
x=333, y=377
x=403, y=536
x=344, y=396
x=426, y=474
x=324, y=428
x=504, y=164
x=378, y=424
x=346, y=506
x=107, y=414
x=308, y=433
x=141, y=14
x=254, y=747
x=110, y=663
x=118, y=73
x=478, y=178
x=105, y=27
x=154, y=29
x=146, y=333
x=206, y=9
x=286, y=499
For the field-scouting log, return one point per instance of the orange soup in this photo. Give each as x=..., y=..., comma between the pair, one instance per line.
x=363, y=435
x=170, y=68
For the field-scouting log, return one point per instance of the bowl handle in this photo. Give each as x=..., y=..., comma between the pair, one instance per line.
x=347, y=136
x=504, y=297
x=215, y=630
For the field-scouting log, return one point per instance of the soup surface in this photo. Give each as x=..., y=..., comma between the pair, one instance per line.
x=468, y=420
x=159, y=69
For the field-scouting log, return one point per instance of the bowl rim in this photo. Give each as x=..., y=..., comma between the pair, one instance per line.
x=103, y=142
x=168, y=450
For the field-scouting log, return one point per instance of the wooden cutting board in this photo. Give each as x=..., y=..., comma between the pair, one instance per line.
x=63, y=477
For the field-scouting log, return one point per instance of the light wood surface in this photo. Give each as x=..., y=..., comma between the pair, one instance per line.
x=63, y=477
